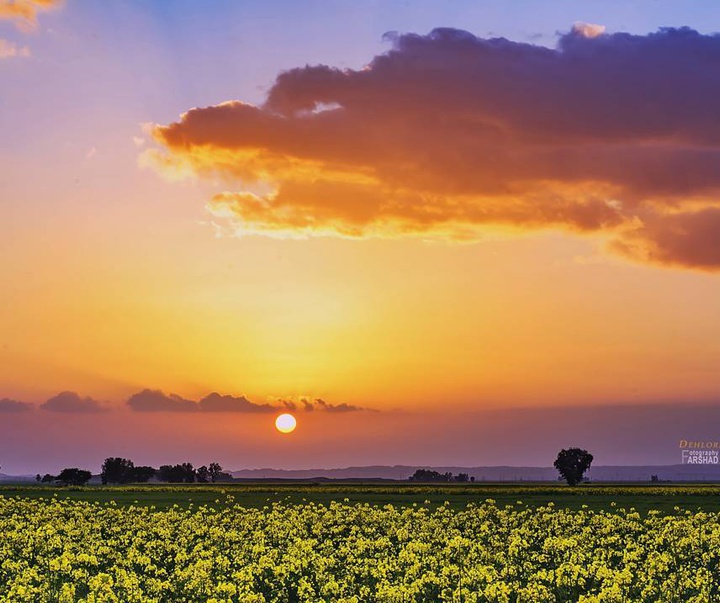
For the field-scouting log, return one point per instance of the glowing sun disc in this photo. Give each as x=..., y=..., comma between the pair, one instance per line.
x=285, y=423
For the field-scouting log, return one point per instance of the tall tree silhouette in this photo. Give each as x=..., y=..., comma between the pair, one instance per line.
x=572, y=464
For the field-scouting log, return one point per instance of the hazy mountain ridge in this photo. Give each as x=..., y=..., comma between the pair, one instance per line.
x=607, y=473
x=641, y=473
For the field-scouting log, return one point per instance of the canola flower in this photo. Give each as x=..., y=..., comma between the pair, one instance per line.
x=67, y=551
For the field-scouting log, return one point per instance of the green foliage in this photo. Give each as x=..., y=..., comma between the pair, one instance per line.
x=215, y=472
x=73, y=477
x=183, y=473
x=117, y=470
x=428, y=475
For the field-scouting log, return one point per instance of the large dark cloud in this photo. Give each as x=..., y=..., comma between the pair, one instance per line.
x=154, y=400
x=11, y=406
x=447, y=134
x=72, y=402
x=216, y=403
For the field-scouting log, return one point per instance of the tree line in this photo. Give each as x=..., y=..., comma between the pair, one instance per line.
x=428, y=475
x=118, y=470
x=571, y=463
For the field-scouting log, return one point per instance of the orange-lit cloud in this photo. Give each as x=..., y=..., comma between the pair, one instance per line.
x=589, y=30
x=72, y=402
x=24, y=12
x=448, y=135
x=684, y=239
x=9, y=50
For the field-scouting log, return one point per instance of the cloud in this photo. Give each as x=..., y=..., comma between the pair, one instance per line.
x=9, y=50
x=688, y=239
x=153, y=400
x=216, y=403
x=150, y=400
x=72, y=402
x=307, y=404
x=24, y=12
x=320, y=404
x=289, y=405
x=13, y=406
x=588, y=30
x=448, y=135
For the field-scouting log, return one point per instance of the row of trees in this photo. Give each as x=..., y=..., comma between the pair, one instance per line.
x=188, y=474
x=428, y=475
x=117, y=470
x=72, y=476
x=571, y=463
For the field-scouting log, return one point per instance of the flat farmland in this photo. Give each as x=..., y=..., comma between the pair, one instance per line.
x=641, y=497
x=357, y=543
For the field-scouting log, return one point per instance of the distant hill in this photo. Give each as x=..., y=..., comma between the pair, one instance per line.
x=16, y=478
x=620, y=473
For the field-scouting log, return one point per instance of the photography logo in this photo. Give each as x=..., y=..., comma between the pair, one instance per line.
x=700, y=452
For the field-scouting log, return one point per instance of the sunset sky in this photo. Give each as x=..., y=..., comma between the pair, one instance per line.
x=467, y=232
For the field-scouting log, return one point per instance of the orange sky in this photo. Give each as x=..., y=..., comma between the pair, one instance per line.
x=332, y=255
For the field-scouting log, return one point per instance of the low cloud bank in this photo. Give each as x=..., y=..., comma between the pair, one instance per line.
x=150, y=400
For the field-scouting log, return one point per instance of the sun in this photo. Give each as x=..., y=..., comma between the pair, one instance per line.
x=285, y=423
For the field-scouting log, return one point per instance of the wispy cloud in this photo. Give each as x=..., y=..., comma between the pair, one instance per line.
x=24, y=12
x=449, y=134
x=306, y=404
x=320, y=404
x=10, y=50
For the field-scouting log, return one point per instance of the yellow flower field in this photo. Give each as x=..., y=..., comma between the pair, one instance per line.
x=53, y=550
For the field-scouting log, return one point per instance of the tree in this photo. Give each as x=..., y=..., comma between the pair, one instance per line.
x=47, y=479
x=214, y=470
x=572, y=464
x=428, y=475
x=116, y=470
x=188, y=473
x=462, y=477
x=38, y=477
x=170, y=473
x=74, y=477
x=203, y=474
x=165, y=473
x=143, y=473
x=177, y=473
